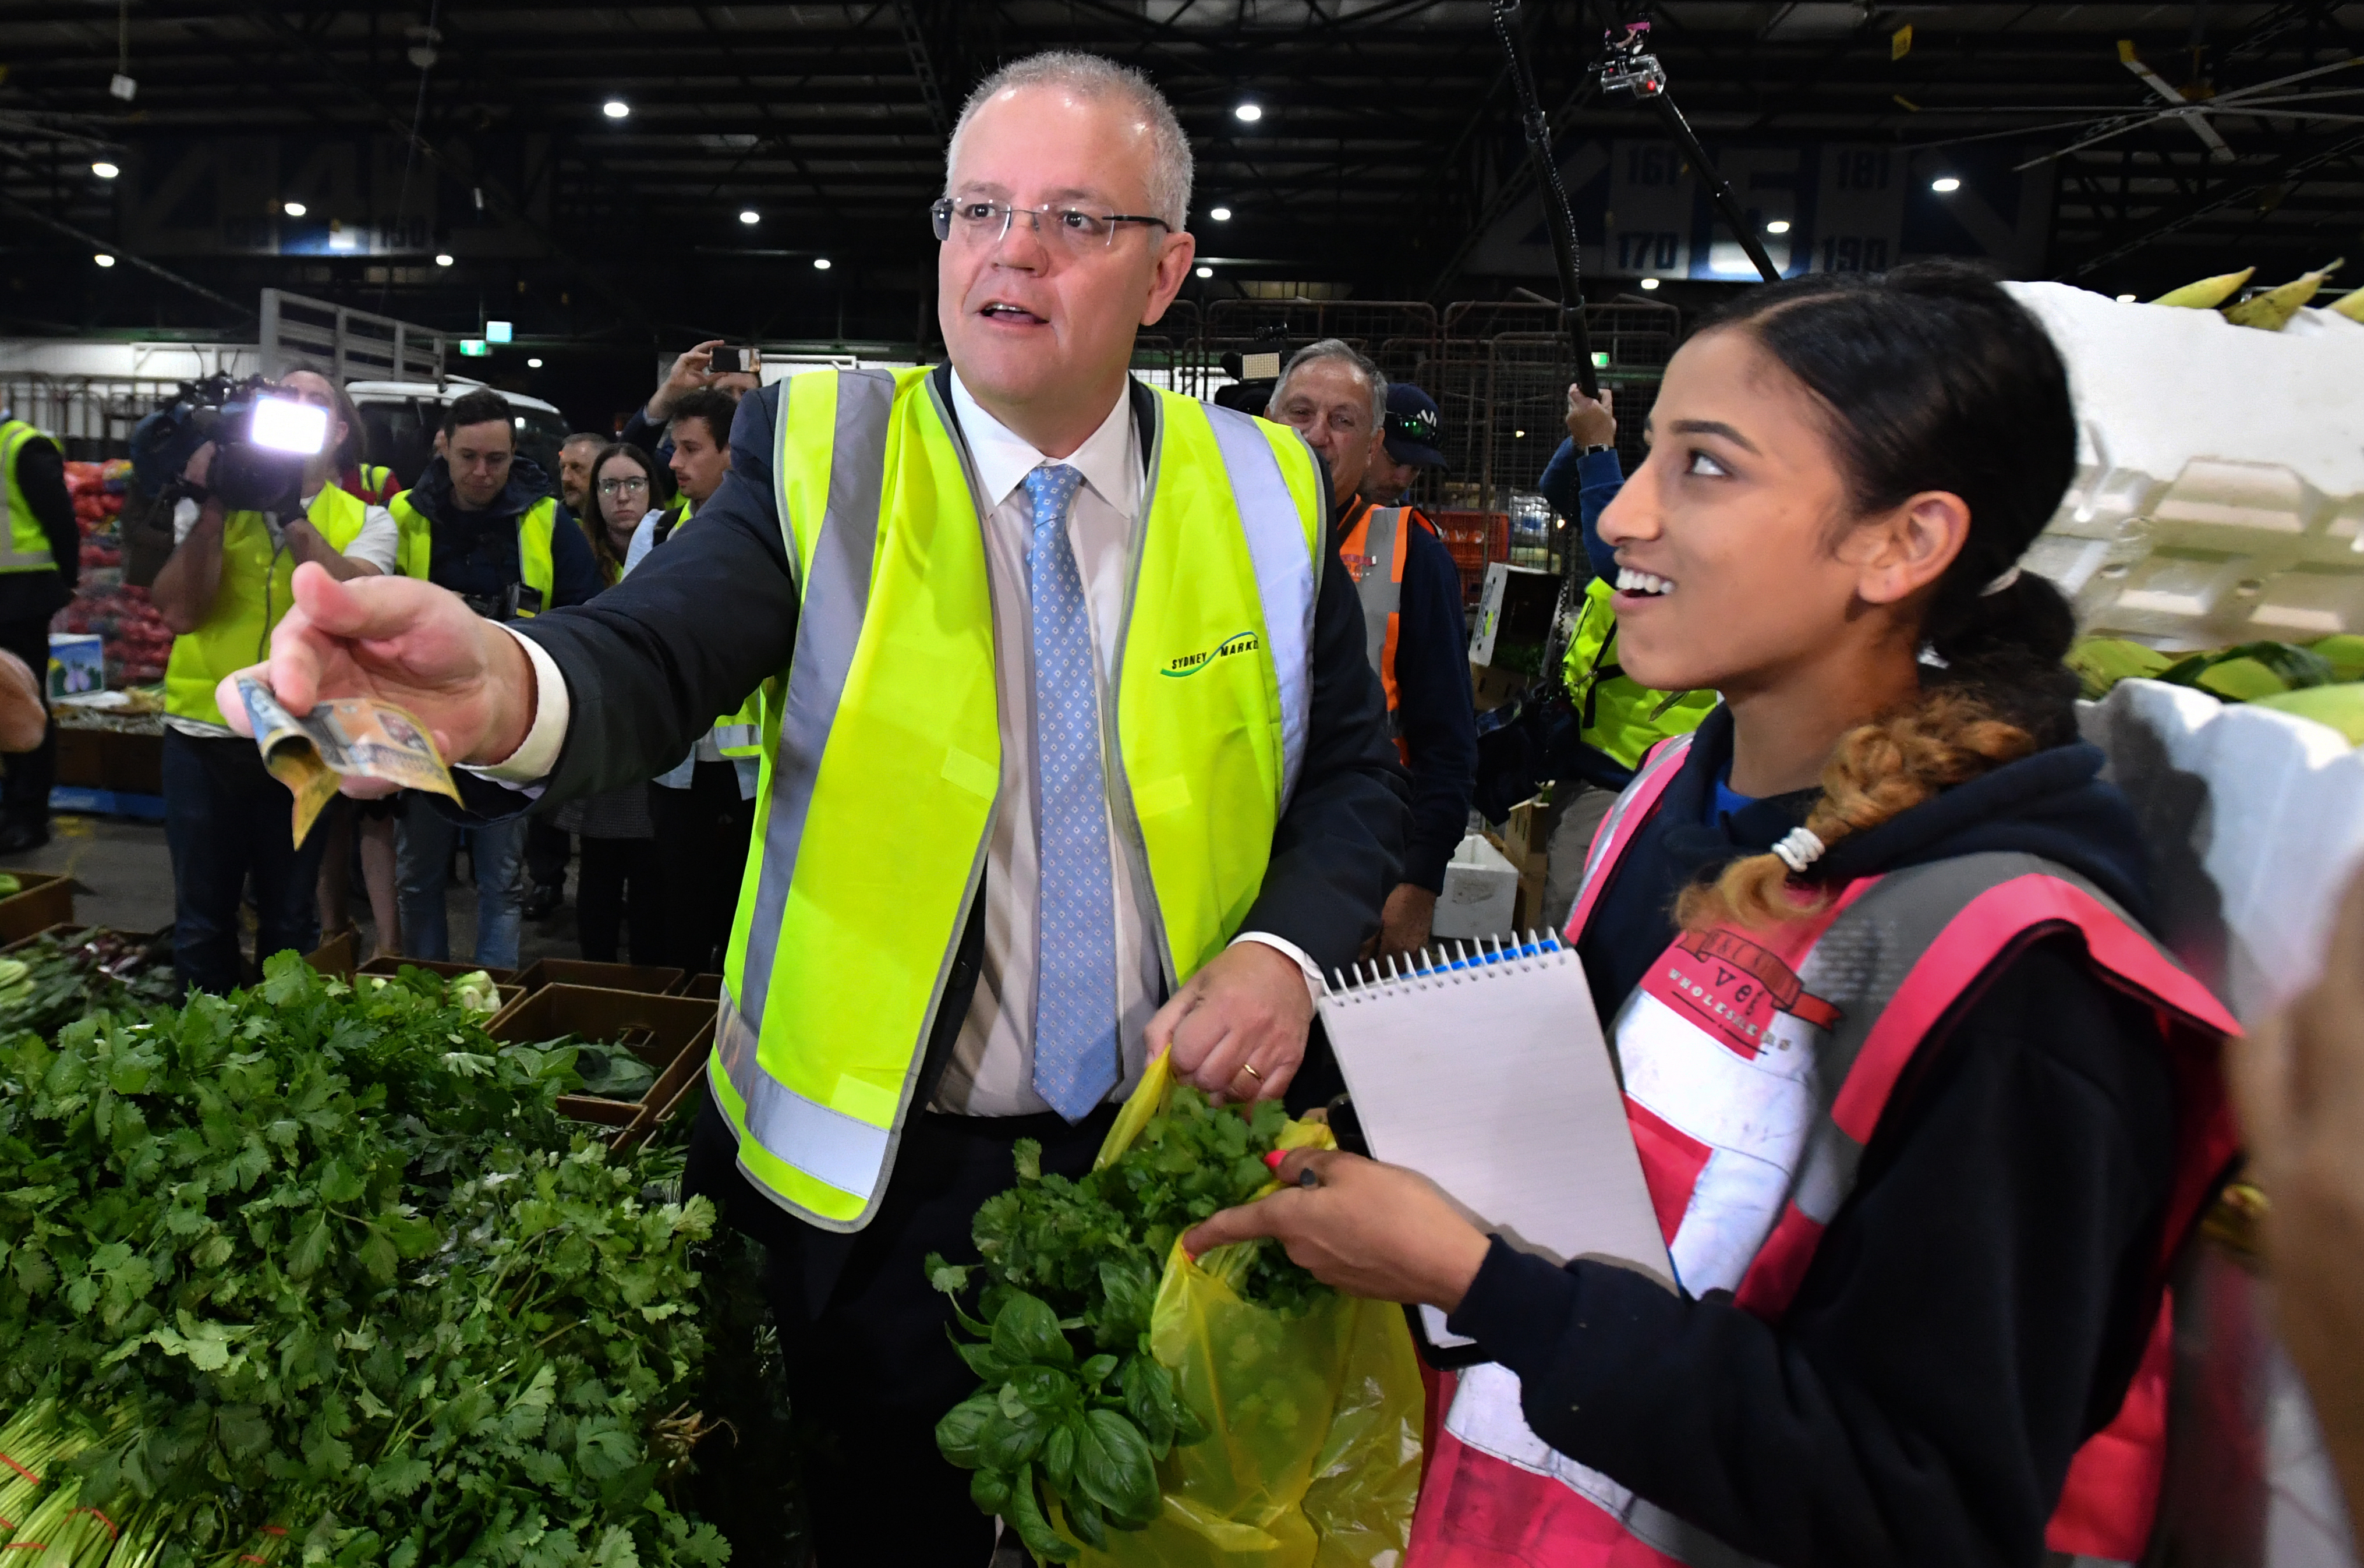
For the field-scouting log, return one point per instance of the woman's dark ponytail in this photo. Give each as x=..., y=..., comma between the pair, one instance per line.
x=1931, y=377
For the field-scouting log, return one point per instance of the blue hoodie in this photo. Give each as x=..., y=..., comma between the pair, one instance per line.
x=1978, y=1304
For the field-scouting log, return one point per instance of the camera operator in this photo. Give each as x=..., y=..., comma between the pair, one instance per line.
x=486, y=524
x=223, y=587
x=36, y=578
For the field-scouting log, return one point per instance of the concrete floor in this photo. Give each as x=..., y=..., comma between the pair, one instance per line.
x=123, y=880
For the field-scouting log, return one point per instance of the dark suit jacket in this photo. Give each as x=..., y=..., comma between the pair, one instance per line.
x=652, y=661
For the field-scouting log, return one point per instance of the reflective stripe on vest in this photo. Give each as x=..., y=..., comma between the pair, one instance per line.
x=739, y=733
x=536, y=567
x=253, y=596
x=839, y=954
x=1379, y=534
x=1756, y=1065
x=1622, y=718
x=24, y=547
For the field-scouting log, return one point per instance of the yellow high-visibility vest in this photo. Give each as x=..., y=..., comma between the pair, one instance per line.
x=535, y=530
x=27, y=547
x=1622, y=717
x=839, y=954
x=254, y=595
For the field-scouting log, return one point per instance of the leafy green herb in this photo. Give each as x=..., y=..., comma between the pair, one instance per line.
x=320, y=1271
x=1075, y=1413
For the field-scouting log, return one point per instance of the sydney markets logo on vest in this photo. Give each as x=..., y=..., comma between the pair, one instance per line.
x=1191, y=663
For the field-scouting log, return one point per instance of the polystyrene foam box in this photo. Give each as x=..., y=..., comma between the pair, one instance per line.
x=2219, y=495
x=1481, y=891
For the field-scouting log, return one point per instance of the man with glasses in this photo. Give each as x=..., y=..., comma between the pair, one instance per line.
x=482, y=522
x=1411, y=592
x=1074, y=758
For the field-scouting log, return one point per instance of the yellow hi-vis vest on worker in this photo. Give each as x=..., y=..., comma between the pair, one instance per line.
x=738, y=734
x=1622, y=718
x=535, y=530
x=842, y=944
x=27, y=548
x=1379, y=538
x=255, y=592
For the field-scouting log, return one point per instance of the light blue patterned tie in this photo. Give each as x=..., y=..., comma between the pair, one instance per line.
x=1074, y=998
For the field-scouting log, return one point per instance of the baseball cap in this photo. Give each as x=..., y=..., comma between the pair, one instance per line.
x=1413, y=427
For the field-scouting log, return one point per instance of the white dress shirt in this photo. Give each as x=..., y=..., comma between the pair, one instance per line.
x=992, y=1067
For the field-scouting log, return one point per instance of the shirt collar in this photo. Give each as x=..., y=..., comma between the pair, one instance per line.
x=1004, y=458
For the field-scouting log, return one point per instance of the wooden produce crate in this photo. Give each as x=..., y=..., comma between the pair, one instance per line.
x=648, y=977
x=708, y=986
x=334, y=956
x=663, y=1031
x=44, y=898
x=673, y=1088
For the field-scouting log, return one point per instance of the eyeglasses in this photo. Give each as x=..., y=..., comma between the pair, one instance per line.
x=978, y=222
x=631, y=486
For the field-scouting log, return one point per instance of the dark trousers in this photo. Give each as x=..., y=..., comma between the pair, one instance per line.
x=547, y=848
x=618, y=889
x=862, y=1331
x=702, y=834
x=25, y=796
x=225, y=818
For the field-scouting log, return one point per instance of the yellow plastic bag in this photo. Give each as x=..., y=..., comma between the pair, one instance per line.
x=1314, y=1456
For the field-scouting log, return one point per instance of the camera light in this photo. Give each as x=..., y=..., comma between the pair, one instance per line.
x=292, y=209
x=287, y=426
x=104, y=259
x=1945, y=185
x=105, y=171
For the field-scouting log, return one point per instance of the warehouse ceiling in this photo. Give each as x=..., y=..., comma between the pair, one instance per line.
x=1387, y=158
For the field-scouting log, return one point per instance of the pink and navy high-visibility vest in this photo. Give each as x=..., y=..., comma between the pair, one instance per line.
x=1756, y=1065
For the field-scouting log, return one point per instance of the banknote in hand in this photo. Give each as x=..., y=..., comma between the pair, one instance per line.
x=349, y=737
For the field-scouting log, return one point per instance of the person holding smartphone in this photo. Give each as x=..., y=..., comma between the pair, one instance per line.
x=738, y=373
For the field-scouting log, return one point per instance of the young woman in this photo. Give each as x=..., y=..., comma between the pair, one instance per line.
x=618, y=886
x=1921, y=1109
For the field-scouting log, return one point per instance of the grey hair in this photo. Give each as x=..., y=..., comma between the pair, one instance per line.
x=591, y=436
x=1337, y=349
x=1089, y=76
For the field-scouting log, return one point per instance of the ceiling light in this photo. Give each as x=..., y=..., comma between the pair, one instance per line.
x=1649, y=283
x=1945, y=185
x=821, y=263
x=105, y=171
x=750, y=215
x=1219, y=214
x=104, y=259
x=1518, y=434
x=533, y=364
x=292, y=209
x=615, y=108
x=1206, y=272
x=2126, y=299
x=1248, y=112
x=444, y=258
x=1779, y=226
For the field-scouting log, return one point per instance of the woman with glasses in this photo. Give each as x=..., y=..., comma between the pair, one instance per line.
x=618, y=887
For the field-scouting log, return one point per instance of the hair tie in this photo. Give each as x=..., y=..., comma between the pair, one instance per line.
x=2000, y=584
x=1800, y=850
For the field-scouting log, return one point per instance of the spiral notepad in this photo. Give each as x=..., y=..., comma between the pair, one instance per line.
x=1486, y=1071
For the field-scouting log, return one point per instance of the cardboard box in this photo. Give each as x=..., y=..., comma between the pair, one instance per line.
x=1481, y=891
x=645, y=977
x=77, y=663
x=44, y=898
x=660, y=1031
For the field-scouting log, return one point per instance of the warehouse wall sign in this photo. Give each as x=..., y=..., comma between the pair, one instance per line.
x=1820, y=206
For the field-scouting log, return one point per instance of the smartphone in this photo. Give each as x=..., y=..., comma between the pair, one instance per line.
x=730, y=361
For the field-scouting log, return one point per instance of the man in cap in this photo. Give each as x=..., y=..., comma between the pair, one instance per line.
x=1375, y=440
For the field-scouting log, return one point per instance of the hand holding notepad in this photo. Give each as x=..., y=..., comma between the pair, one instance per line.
x=1488, y=1074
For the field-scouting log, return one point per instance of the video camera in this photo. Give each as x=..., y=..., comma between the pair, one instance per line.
x=260, y=435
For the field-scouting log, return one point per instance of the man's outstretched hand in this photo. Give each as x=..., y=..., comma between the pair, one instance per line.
x=404, y=643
